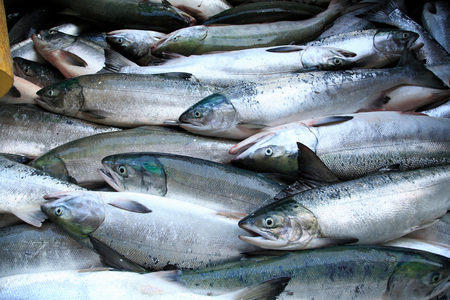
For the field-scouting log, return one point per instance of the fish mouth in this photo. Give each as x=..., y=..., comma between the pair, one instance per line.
x=246, y=144
x=44, y=103
x=261, y=238
x=111, y=180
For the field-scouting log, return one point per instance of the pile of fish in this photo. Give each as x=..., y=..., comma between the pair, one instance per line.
x=255, y=150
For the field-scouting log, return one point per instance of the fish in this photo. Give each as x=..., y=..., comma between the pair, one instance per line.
x=340, y=272
x=201, y=39
x=373, y=141
x=27, y=249
x=101, y=283
x=240, y=111
x=369, y=210
x=248, y=65
x=39, y=74
x=40, y=131
x=141, y=228
x=201, y=10
x=435, y=19
x=432, y=247
x=135, y=44
x=71, y=55
x=264, y=12
x=438, y=233
x=133, y=14
x=123, y=100
x=209, y=184
x=79, y=159
x=374, y=48
x=23, y=188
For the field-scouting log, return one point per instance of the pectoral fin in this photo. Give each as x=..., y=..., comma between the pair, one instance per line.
x=130, y=205
x=269, y=289
x=112, y=258
x=286, y=49
x=72, y=59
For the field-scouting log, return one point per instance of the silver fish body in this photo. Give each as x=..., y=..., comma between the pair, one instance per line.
x=81, y=158
x=148, y=235
x=369, y=210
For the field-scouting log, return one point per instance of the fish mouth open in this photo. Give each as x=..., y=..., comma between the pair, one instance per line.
x=44, y=103
x=111, y=180
x=261, y=238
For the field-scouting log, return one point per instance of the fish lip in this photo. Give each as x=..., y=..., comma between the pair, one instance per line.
x=44, y=103
x=256, y=233
x=111, y=180
x=240, y=150
x=411, y=42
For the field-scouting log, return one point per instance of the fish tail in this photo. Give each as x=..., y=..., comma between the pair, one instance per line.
x=380, y=12
x=420, y=74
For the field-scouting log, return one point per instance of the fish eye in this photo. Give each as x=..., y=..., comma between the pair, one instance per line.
x=337, y=61
x=435, y=278
x=58, y=211
x=405, y=35
x=198, y=114
x=122, y=170
x=268, y=152
x=26, y=70
x=175, y=39
x=119, y=41
x=50, y=92
x=269, y=221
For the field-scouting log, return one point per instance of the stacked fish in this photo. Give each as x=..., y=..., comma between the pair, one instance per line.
x=275, y=150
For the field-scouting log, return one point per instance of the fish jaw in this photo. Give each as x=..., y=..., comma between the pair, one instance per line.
x=64, y=97
x=211, y=116
x=259, y=137
x=112, y=180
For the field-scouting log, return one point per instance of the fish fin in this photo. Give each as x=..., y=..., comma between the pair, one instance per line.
x=232, y=215
x=432, y=105
x=94, y=114
x=267, y=290
x=322, y=242
x=176, y=75
x=286, y=49
x=369, y=60
x=424, y=76
x=59, y=195
x=171, y=276
x=380, y=13
x=425, y=225
x=33, y=216
x=72, y=59
x=377, y=103
x=312, y=173
x=171, y=55
x=114, y=61
x=330, y=120
x=112, y=258
x=195, y=13
x=14, y=92
x=280, y=178
x=130, y=205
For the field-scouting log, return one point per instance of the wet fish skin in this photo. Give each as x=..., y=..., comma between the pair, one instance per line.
x=201, y=39
x=242, y=110
x=373, y=141
x=40, y=131
x=39, y=74
x=369, y=210
x=135, y=225
x=81, y=158
x=374, y=48
x=27, y=249
x=23, y=188
x=343, y=272
x=435, y=19
x=213, y=185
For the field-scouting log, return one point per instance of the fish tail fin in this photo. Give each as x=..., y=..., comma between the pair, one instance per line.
x=33, y=216
x=380, y=12
x=114, y=62
x=267, y=290
x=421, y=75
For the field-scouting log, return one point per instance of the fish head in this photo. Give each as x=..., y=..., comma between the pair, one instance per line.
x=210, y=116
x=25, y=68
x=65, y=97
x=135, y=173
x=282, y=225
x=391, y=41
x=52, y=164
x=183, y=41
x=419, y=277
x=275, y=152
x=51, y=40
x=77, y=212
x=327, y=58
